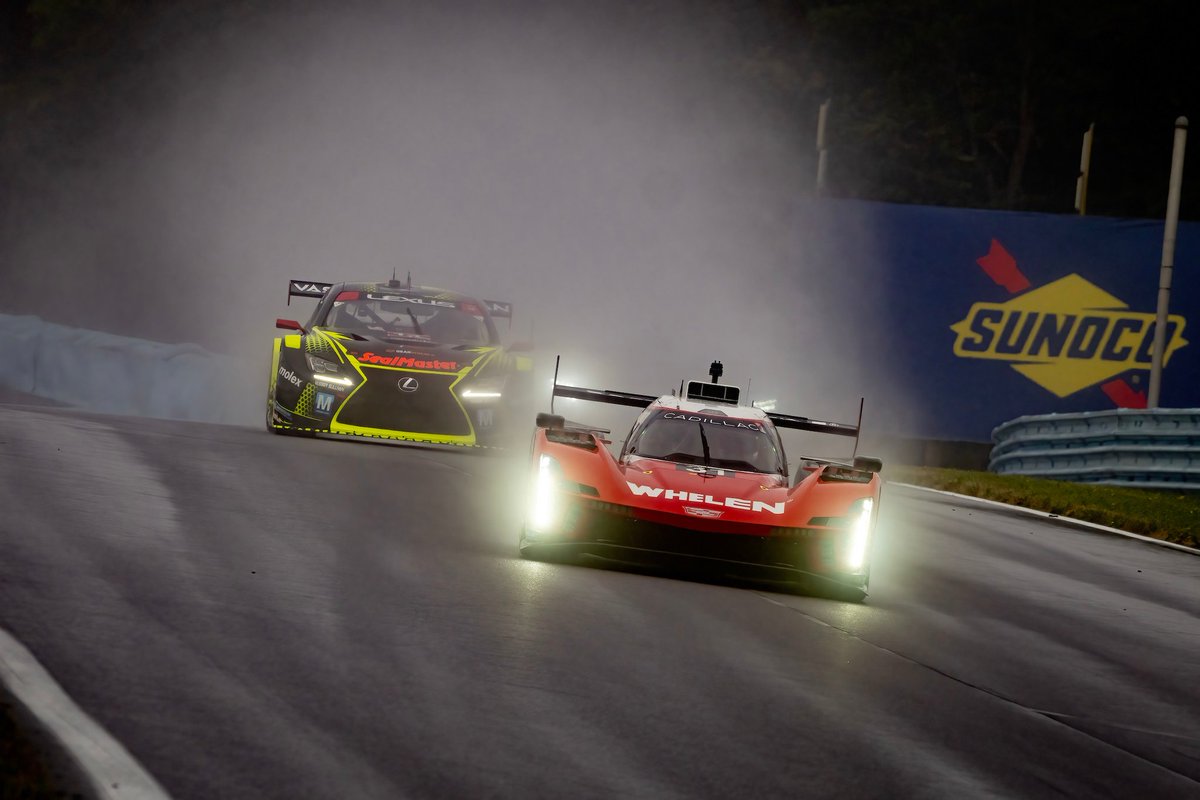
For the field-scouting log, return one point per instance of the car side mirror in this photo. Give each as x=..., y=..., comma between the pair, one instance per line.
x=806, y=469
x=868, y=463
x=289, y=325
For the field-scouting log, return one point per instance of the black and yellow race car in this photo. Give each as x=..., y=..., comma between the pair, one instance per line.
x=393, y=361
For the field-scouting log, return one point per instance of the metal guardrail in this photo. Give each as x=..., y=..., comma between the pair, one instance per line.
x=1157, y=448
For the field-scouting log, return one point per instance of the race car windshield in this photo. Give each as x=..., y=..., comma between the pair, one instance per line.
x=418, y=319
x=709, y=440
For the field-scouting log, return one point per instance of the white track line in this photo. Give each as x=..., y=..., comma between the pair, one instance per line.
x=113, y=772
x=1047, y=515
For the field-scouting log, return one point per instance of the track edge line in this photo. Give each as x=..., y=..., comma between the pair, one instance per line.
x=114, y=774
x=1094, y=526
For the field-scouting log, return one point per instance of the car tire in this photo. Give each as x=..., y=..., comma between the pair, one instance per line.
x=528, y=551
x=280, y=430
x=531, y=551
x=270, y=417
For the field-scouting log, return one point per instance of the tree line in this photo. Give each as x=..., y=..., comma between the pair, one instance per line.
x=944, y=102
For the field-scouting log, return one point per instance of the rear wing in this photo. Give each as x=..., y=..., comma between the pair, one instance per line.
x=499, y=309
x=602, y=396
x=597, y=395
x=820, y=426
x=643, y=400
x=307, y=289
x=814, y=425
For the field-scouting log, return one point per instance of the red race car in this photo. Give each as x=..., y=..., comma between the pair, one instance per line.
x=702, y=482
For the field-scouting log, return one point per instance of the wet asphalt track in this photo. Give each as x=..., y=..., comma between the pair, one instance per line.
x=257, y=616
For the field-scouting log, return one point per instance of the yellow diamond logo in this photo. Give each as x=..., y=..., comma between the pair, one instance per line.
x=1064, y=336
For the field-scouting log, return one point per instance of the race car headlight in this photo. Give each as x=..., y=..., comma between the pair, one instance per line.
x=543, y=508
x=481, y=394
x=483, y=391
x=860, y=535
x=321, y=365
x=325, y=371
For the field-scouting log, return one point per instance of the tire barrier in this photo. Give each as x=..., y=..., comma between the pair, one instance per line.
x=118, y=374
x=1157, y=448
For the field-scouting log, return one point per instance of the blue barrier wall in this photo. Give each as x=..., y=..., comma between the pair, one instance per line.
x=984, y=316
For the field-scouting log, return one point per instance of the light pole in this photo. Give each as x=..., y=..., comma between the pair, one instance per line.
x=1168, y=262
x=822, y=117
x=1085, y=162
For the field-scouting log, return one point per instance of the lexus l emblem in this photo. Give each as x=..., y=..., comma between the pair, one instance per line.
x=408, y=384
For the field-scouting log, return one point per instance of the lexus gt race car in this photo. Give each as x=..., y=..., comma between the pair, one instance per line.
x=702, y=482
x=393, y=361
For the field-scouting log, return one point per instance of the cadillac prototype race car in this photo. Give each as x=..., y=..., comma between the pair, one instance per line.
x=393, y=361
x=702, y=481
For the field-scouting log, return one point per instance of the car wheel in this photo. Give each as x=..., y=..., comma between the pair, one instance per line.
x=283, y=430
x=534, y=551
x=270, y=418
x=527, y=550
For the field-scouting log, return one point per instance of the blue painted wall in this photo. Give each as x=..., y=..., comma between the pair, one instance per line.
x=915, y=272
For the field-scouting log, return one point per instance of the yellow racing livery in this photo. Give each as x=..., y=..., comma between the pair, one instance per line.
x=389, y=360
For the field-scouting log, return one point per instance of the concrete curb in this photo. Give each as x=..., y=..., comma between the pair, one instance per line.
x=1092, y=526
x=113, y=773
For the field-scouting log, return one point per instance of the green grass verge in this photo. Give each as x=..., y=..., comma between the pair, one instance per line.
x=1170, y=515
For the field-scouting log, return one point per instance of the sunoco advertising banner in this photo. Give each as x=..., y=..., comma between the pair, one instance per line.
x=983, y=316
